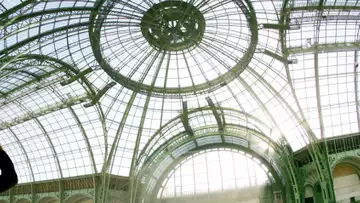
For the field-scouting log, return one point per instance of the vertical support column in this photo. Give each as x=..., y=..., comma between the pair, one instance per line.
x=102, y=183
x=12, y=197
x=318, y=197
x=33, y=193
x=61, y=192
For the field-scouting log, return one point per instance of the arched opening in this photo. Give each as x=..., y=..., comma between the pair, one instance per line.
x=309, y=194
x=23, y=201
x=80, y=199
x=48, y=200
x=346, y=182
x=217, y=175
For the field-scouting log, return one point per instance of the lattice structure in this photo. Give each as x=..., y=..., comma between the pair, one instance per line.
x=101, y=99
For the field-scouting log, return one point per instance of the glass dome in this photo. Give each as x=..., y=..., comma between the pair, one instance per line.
x=87, y=86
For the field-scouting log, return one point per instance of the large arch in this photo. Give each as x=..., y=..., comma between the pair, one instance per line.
x=228, y=128
x=261, y=187
x=346, y=178
x=43, y=77
x=48, y=200
x=79, y=198
x=23, y=200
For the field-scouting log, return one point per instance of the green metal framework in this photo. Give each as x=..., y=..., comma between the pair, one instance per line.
x=111, y=88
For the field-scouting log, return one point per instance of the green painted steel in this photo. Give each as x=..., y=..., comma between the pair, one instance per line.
x=170, y=26
x=98, y=19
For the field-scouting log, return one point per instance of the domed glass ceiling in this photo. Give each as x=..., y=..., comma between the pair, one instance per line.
x=84, y=85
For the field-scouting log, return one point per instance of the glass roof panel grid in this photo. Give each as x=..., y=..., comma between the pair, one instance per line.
x=129, y=134
x=258, y=145
x=304, y=82
x=20, y=32
x=114, y=104
x=269, y=40
x=16, y=152
x=236, y=140
x=34, y=88
x=230, y=96
x=266, y=11
x=152, y=121
x=12, y=81
x=260, y=91
x=201, y=118
x=189, y=66
x=68, y=142
x=337, y=90
x=164, y=136
x=339, y=27
x=38, y=149
x=9, y=112
x=270, y=69
x=301, y=3
x=275, y=107
x=82, y=55
x=248, y=122
x=183, y=149
x=8, y=4
x=53, y=98
x=216, y=139
x=210, y=171
x=342, y=3
x=93, y=133
x=122, y=162
x=298, y=37
x=299, y=137
x=55, y=42
x=72, y=46
x=163, y=166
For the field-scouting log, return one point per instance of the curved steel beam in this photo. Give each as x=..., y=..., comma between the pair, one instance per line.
x=63, y=66
x=228, y=130
x=210, y=146
x=216, y=114
x=24, y=151
x=119, y=133
x=323, y=48
x=14, y=70
x=185, y=119
x=44, y=111
x=17, y=8
x=262, y=106
x=324, y=7
x=86, y=139
x=67, y=10
x=12, y=48
x=315, y=152
x=137, y=86
x=30, y=82
x=137, y=144
x=52, y=147
x=177, y=119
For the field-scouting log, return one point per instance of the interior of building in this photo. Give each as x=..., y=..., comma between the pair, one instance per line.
x=169, y=101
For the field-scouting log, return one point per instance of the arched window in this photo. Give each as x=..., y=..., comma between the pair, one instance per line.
x=216, y=174
x=346, y=182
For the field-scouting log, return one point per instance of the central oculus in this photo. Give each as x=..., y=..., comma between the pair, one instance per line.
x=173, y=26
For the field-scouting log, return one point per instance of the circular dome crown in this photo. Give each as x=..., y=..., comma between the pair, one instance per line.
x=174, y=47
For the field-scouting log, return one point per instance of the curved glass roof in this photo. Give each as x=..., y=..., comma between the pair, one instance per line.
x=85, y=85
x=213, y=171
